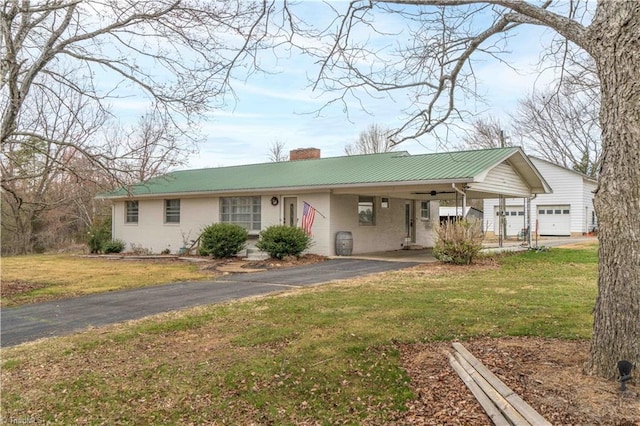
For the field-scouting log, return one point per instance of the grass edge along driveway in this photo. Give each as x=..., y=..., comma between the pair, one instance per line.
x=52, y=277
x=318, y=355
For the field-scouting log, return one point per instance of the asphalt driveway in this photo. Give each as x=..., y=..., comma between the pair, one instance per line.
x=60, y=317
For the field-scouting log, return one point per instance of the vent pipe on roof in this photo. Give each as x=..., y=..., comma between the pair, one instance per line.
x=304, y=154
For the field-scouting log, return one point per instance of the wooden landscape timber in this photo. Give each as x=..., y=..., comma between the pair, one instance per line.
x=502, y=405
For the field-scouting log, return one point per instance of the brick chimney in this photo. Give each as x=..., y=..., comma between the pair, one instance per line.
x=304, y=154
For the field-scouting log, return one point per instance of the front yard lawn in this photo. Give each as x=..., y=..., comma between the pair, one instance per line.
x=38, y=278
x=322, y=355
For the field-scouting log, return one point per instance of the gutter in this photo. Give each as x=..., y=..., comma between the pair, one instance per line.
x=291, y=189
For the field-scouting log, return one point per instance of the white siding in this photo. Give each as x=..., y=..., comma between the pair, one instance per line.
x=569, y=188
x=502, y=179
x=590, y=221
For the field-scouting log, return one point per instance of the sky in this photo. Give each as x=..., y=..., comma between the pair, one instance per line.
x=281, y=107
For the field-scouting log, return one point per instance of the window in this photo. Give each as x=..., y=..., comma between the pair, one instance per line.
x=541, y=211
x=366, y=211
x=243, y=211
x=131, y=211
x=425, y=210
x=172, y=211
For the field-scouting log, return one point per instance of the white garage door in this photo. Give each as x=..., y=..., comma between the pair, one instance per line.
x=514, y=216
x=554, y=220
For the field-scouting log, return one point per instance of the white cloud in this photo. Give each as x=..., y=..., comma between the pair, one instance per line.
x=281, y=106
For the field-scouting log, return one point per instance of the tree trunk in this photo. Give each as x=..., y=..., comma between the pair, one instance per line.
x=616, y=329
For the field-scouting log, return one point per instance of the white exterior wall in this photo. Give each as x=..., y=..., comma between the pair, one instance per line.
x=152, y=233
x=386, y=234
x=588, y=194
x=425, y=229
x=340, y=214
x=569, y=188
x=502, y=179
x=389, y=231
x=321, y=243
x=196, y=213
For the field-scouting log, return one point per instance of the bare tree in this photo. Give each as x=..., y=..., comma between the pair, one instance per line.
x=63, y=65
x=178, y=54
x=373, y=140
x=277, y=152
x=148, y=148
x=486, y=132
x=562, y=127
x=432, y=64
x=36, y=171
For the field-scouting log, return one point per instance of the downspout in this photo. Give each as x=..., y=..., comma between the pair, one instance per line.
x=464, y=198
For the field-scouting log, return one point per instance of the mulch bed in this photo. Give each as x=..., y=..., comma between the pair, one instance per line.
x=546, y=373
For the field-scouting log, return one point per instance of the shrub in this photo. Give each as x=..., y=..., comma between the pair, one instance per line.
x=222, y=240
x=280, y=241
x=113, y=246
x=140, y=250
x=99, y=235
x=459, y=242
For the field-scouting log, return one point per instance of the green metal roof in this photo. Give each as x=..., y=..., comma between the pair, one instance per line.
x=386, y=168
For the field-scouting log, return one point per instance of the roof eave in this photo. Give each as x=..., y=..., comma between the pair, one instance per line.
x=305, y=188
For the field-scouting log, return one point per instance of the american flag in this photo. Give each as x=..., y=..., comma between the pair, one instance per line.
x=308, y=215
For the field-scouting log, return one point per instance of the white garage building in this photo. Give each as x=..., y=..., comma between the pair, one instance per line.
x=568, y=211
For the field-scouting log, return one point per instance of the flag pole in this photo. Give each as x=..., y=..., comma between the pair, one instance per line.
x=317, y=211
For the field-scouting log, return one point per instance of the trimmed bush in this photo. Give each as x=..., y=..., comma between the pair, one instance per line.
x=280, y=241
x=459, y=242
x=222, y=240
x=113, y=246
x=99, y=235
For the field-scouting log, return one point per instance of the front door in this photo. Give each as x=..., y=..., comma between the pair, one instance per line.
x=409, y=221
x=291, y=211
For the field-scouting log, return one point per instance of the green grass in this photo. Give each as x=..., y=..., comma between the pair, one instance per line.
x=319, y=355
x=60, y=276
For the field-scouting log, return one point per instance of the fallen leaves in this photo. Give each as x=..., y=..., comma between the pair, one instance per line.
x=544, y=372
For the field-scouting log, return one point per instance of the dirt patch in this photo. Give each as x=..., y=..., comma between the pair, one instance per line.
x=438, y=268
x=546, y=373
x=11, y=288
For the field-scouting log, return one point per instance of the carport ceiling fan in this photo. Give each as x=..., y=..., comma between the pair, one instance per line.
x=433, y=193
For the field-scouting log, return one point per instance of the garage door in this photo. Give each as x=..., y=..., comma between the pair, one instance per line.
x=514, y=216
x=554, y=220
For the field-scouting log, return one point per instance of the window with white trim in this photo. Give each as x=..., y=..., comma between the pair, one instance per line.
x=243, y=211
x=131, y=211
x=172, y=211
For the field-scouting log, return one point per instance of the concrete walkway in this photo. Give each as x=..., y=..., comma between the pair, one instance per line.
x=60, y=317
